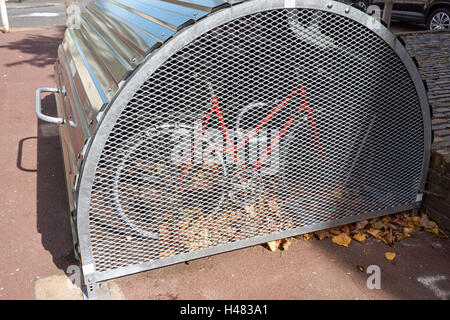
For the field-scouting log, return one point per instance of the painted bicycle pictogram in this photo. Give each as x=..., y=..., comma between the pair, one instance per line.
x=221, y=179
x=245, y=179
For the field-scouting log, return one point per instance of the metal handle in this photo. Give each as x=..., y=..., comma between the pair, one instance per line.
x=39, y=113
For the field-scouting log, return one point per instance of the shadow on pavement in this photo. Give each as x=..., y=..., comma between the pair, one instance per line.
x=20, y=149
x=53, y=220
x=42, y=48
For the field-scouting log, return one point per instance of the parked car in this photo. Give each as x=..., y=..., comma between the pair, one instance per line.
x=434, y=13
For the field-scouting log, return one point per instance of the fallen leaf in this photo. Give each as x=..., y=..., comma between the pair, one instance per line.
x=416, y=221
x=345, y=229
x=442, y=234
x=390, y=255
x=390, y=237
x=378, y=225
x=407, y=231
x=307, y=236
x=360, y=237
x=434, y=230
x=273, y=245
x=425, y=222
x=343, y=239
x=374, y=232
x=392, y=226
x=383, y=237
x=334, y=231
x=322, y=234
x=361, y=225
x=285, y=244
x=400, y=236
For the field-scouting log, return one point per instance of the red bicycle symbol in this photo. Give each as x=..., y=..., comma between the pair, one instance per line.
x=232, y=149
x=182, y=186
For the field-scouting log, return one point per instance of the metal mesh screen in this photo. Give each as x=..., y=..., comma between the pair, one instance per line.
x=278, y=120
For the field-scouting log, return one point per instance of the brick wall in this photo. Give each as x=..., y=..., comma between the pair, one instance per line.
x=436, y=201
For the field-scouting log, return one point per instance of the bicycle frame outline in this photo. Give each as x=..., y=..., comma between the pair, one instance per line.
x=233, y=149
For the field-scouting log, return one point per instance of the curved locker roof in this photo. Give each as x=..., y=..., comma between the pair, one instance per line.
x=113, y=37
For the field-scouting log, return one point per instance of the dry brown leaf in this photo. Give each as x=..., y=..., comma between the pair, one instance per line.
x=273, y=245
x=401, y=221
x=425, y=222
x=334, y=231
x=416, y=221
x=390, y=237
x=390, y=255
x=285, y=244
x=442, y=234
x=401, y=236
x=343, y=239
x=378, y=234
x=361, y=225
x=345, y=229
x=407, y=231
x=378, y=225
x=322, y=234
x=392, y=226
x=383, y=237
x=360, y=237
x=374, y=232
x=435, y=230
x=307, y=236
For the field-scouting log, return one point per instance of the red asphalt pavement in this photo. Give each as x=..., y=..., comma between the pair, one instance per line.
x=35, y=239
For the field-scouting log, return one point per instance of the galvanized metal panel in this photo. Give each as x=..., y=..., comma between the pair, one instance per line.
x=165, y=18
x=124, y=29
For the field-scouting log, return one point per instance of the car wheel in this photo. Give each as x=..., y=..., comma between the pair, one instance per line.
x=361, y=5
x=439, y=20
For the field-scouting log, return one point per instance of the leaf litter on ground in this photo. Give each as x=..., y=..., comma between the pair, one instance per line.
x=388, y=229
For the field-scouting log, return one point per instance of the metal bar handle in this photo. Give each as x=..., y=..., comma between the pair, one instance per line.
x=39, y=113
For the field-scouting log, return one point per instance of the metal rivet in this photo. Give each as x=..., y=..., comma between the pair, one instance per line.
x=329, y=5
x=78, y=156
x=163, y=34
x=347, y=10
x=109, y=89
x=133, y=59
x=91, y=121
x=195, y=14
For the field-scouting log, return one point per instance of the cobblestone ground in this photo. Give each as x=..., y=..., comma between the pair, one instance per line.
x=432, y=51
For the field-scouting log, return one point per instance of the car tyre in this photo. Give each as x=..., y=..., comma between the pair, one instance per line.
x=362, y=5
x=439, y=19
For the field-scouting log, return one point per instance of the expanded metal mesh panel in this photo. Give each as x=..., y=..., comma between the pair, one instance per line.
x=278, y=120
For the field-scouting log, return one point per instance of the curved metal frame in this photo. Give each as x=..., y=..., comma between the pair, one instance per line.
x=156, y=59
